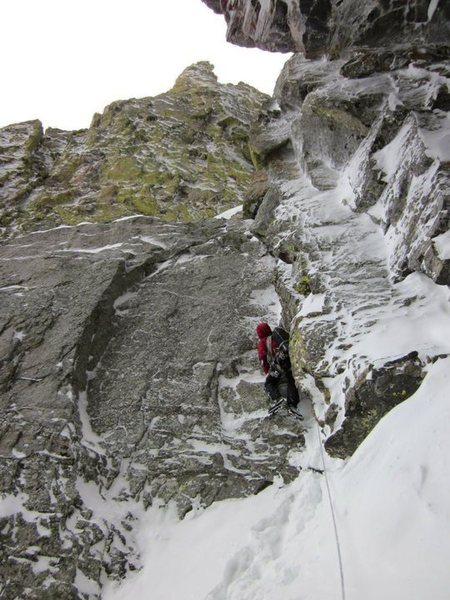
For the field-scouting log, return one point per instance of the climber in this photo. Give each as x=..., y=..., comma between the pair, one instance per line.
x=273, y=354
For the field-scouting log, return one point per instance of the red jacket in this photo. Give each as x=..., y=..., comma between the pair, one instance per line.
x=263, y=330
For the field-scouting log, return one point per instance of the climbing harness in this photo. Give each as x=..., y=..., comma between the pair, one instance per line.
x=336, y=535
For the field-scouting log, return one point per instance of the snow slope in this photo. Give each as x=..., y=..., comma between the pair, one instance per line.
x=391, y=502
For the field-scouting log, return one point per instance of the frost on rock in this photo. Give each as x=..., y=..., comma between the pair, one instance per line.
x=181, y=156
x=321, y=27
x=133, y=437
x=357, y=209
x=129, y=381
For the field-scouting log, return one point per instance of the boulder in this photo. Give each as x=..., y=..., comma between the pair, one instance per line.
x=374, y=394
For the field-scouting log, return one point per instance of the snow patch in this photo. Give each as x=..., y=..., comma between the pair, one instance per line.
x=442, y=245
x=85, y=585
x=229, y=213
x=11, y=504
x=154, y=240
x=268, y=299
x=391, y=504
x=389, y=158
x=432, y=9
x=313, y=303
x=89, y=436
x=93, y=250
x=437, y=141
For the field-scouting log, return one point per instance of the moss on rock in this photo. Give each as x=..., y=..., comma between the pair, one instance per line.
x=182, y=156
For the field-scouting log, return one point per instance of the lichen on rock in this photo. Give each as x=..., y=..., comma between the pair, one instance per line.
x=180, y=156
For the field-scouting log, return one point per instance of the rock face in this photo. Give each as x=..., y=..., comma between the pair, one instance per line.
x=181, y=156
x=318, y=27
x=370, y=398
x=357, y=207
x=128, y=371
x=129, y=377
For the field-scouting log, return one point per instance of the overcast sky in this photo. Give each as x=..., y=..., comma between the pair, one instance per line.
x=63, y=60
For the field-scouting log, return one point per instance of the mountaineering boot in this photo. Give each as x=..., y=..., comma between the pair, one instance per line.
x=294, y=411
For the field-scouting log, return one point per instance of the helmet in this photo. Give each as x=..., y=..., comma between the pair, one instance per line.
x=263, y=330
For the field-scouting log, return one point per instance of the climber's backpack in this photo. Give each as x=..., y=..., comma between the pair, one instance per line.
x=278, y=355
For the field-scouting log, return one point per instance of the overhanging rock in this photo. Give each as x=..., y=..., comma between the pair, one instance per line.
x=322, y=27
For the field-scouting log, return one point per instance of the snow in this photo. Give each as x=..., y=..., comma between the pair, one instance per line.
x=85, y=585
x=18, y=453
x=313, y=304
x=121, y=300
x=422, y=325
x=392, y=515
x=230, y=212
x=7, y=288
x=90, y=438
x=268, y=299
x=10, y=504
x=389, y=158
x=442, y=245
x=432, y=8
x=437, y=141
x=403, y=491
x=52, y=229
x=127, y=218
x=19, y=335
x=94, y=250
x=44, y=563
x=154, y=240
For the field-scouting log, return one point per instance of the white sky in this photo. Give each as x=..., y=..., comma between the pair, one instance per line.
x=63, y=60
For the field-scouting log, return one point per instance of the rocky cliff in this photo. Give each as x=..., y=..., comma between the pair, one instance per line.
x=356, y=204
x=357, y=208
x=128, y=377
x=181, y=156
x=318, y=27
x=128, y=370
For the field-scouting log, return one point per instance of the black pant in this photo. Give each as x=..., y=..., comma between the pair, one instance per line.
x=274, y=384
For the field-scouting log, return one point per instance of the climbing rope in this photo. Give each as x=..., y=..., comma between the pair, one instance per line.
x=336, y=535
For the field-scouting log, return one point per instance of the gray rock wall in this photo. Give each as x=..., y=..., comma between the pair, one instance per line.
x=357, y=201
x=129, y=378
x=127, y=364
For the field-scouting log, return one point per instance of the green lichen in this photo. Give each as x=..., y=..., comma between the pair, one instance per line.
x=105, y=213
x=256, y=158
x=303, y=286
x=338, y=117
x=180, y=212
x=123, y=169
x=48, y=202
x=146, y=205
x=66, y=168
x=183, y=155
x=70, y=215
x=298, y=352
x=35, y=138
